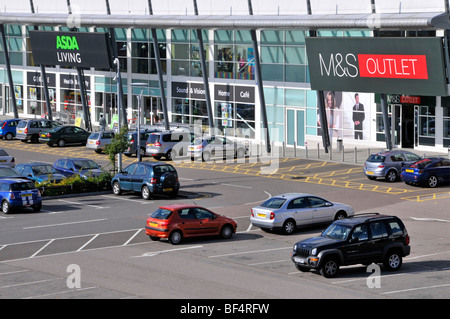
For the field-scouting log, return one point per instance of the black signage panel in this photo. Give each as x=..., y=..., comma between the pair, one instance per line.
x=35, y=79
x=409, y=66
x=180, y=90
x=68, y=81
x=245, y=94
x=76, y=49
x=223, y=93
x=197, y=91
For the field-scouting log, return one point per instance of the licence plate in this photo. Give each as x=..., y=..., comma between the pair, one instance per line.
x=20, y=131
x=167, y=189
x=409, y=170
x=261, y=215
x=2, y=161
x=43, y=135
x=369, y=173
x=154, y=224
x=26, y=195
x=299, y=260
x=91, y=142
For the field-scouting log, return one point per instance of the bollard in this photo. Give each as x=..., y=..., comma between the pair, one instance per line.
x=343, y=154
x=318, y=150
x=356, y=155
x=295, y=149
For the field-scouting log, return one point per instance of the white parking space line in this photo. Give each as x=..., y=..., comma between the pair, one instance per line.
x=61, y=292
x=88, y=242
x=233, y=185
x=154, y=253
x=64, y=224
x=414, y=289
x=129, y=199
x=269, y=262
x=249, y=252
x=132, y=237
x=81, y=204
x=260, y=201
x=42, y=248
x=14, y=272
x=30, y=283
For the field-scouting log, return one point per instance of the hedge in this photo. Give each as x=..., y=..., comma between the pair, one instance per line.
x=75, y=185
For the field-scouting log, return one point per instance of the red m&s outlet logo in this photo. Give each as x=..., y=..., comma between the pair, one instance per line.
x=393, y=66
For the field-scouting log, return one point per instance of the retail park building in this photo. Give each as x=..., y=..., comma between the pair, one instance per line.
x=286, y=93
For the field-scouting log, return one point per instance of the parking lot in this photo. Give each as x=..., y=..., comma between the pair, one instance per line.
x=103, y=235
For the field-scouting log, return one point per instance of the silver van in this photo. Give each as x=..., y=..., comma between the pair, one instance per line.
x=28, y=130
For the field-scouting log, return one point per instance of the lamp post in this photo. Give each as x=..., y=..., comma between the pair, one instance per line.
x=119, y=109
x=139, y=100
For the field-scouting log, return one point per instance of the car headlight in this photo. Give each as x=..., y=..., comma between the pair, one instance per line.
x=314, y=251
x=295, y=247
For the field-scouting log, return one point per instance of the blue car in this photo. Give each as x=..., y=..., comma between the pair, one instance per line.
x=16, y=193
x=147, y=178
x=8, y=128
x=39, y=172
x=83, y=167
x=428, y=171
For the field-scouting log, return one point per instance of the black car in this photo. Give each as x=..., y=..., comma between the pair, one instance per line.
x=62, y=135
x=362, y=239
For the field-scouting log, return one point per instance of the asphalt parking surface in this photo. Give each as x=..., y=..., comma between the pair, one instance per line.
x=103, y=235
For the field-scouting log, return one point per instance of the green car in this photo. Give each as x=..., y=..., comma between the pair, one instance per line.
x=62, y=135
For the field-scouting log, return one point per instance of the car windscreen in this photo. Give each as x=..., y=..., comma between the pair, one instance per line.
x=6, y=171
x=153, y=138
x=337, y=231
x=274, y=202
x=161, y=169
x=22, y=186
x=161, y=214
x=44, y=170
x=94, y=136
x=85, y=164
x=376, y=158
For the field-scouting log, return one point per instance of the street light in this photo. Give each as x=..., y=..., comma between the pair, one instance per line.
x=139, y=99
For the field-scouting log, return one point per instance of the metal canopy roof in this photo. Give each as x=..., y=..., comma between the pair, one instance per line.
x=403, y=21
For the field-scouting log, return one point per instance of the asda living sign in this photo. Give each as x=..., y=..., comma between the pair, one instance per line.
x=409, y=66
x=77, y=49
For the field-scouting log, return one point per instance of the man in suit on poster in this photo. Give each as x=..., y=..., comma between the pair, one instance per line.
x=358, y=118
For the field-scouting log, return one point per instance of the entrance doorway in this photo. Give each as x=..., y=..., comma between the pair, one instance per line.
x=404, y=128
x=295, y=128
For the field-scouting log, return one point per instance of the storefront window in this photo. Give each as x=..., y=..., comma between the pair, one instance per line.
x=186, y=53
x=446, y=127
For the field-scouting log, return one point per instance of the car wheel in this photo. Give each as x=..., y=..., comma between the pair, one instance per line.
x=391, y=176
x=330, y=268
x=37, y=208
x=432, y=181
x=35, y=139
x=289, y=226
x=169, y=155
x=61, y=143
x=206, y=156
x=175, y=237
x=24, y=141
x=9, y=136
x=393, y=261
x=145, y=192
x=116, y=188
x=6, y=207
x=340, y=215
x=226, y=232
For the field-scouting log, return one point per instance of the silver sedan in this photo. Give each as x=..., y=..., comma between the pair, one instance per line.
x=286, y=212
x=6, y=159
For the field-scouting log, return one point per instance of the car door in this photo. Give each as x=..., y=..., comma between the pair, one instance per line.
x=445, y=171
x=378, y=239
x=358, y=249
x=189, y=222
x=60, y=166
x=208, y=224
x=125, y=177
x=68, y=134
x=79, y=135
x=299, y=209
x=322, y=210
x=137, y=178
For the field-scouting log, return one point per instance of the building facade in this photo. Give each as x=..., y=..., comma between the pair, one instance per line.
x=418, y=122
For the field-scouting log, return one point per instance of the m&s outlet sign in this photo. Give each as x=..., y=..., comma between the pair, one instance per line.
x=413, y=66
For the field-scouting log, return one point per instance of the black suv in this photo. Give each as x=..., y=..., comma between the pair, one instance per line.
x=362, y=239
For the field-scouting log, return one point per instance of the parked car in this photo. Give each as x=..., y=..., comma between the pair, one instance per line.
x=428, y=171
x=19, y=193
x=31, y=129
x=64, y=135
x=169, y=144
x=97, y=141
x=147, y=178
x=388, y=165
x=8, y=128
x=6, y=159
x=81, y=166
x=363, y=239
x=176, y=222
x=288, y=211
x=39, y=172
x=210, y=146
x=132, y=141
x=9, y=172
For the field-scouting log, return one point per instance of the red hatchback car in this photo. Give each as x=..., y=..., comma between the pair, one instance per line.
x=176, y=222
